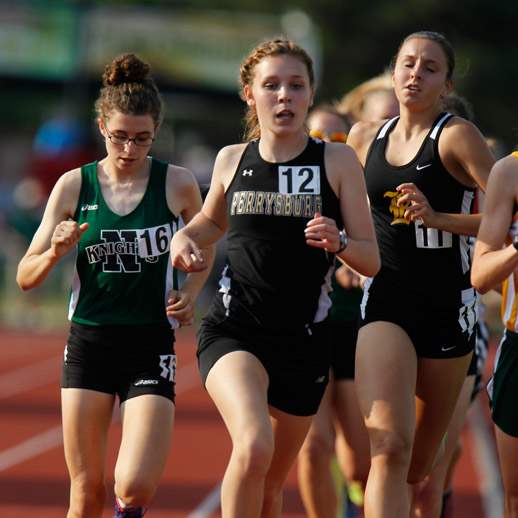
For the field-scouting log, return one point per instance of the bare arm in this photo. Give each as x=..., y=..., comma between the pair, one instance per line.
x=493, y=261
x=360, y=138
x=184, y=198
x=347, y=180
x=208, y=225
x=56, y=235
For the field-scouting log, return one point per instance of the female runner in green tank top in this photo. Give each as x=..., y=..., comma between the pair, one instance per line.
x=120, y=213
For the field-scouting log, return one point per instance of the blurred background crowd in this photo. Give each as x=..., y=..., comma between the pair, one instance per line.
x=51, y=58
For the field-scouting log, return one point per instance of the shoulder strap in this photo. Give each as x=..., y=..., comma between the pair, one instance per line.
x=385, y=127
x=439, y=125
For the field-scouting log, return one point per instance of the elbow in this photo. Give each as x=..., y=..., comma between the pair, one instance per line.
x=372, y=266
x=23, y=283
x=481, y=288
x=374, y=269
x=479, y=283
x=375, y=264
x=24, y=286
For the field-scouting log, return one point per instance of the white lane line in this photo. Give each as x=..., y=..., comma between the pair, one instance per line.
x=29, y=377
x=53, y=437
x=486, y=461
x=30, y=448
x=209, y=505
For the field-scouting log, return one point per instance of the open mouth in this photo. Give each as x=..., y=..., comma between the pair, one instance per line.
x=284, y=115
x=413, y=88
x=126, y=159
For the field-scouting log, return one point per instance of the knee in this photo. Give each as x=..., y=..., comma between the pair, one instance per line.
x=391, y=447
x=87, y=496
x=253, y=455
x=317, y=450
x=135, y=492
x=423, y=463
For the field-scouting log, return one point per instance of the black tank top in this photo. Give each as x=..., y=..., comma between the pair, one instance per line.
x=425, y=260
x=273, y=279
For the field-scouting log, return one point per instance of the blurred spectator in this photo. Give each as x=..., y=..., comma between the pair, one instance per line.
x=61, y=143
x=372, y=100
x=29, y=199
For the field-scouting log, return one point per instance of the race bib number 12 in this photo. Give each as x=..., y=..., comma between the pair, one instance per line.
x=299, y=179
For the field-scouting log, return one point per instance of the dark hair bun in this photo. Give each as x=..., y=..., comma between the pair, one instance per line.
x=126, y=68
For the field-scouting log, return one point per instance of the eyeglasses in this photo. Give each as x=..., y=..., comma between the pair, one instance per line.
x=336, y=136
x=122, y=140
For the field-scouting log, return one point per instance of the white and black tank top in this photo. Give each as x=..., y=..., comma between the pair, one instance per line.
x=432, y=262
x=273, y=279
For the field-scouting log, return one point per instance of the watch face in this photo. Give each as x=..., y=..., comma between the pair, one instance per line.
x=343, y=241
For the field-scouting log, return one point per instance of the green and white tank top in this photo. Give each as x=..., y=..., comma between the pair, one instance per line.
x=123, y=273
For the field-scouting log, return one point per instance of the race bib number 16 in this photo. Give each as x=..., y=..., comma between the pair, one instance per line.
x=299, y=179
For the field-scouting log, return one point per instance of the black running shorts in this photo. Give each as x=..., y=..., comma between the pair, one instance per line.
x=297, y=361
x=437, y=329
x=125, y=360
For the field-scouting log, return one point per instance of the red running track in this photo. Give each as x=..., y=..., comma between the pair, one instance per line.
x=33, y=477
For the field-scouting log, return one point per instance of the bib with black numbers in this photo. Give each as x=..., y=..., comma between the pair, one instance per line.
x=434, y=261
x=273, y=277
x=123, y=273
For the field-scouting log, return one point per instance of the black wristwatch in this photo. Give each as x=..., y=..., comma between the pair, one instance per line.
x=343, y=241
x=515, y=242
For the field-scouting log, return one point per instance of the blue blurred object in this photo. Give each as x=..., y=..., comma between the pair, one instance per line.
x=58, y=135
x=350, y=509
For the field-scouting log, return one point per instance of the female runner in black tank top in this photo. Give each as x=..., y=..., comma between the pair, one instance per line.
x=418, y=313
x=258, y=344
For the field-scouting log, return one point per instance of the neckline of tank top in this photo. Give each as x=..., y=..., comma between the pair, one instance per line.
x=152, y=165
x=304, y=150
x=420, y=149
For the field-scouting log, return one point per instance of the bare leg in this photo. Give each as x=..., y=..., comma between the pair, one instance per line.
x=508, y=456
x=147, y=425
x=352, y=440
x=427, y=501
x=289, y=432
x=314, y=471
x=439, y=382
x=386, y=370
x=86, y=419
x=237, y=384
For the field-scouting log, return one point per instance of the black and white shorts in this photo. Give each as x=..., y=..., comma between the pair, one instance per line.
x=297, y=361
x=437, y=329
x=128, y=361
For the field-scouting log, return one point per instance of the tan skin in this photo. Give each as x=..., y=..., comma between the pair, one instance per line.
x=266, y=440
x=407, y=402
x=495, y=260
x=123, y=175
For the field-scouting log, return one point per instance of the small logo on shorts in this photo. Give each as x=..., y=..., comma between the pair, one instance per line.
x=145, y=382
x=320, y=379
x=444, y=348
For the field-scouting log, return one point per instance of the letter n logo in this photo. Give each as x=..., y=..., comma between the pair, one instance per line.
x=121, y=253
